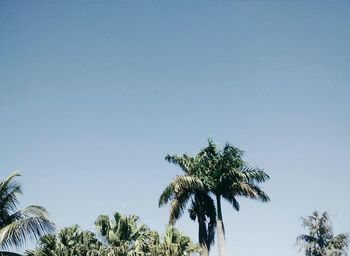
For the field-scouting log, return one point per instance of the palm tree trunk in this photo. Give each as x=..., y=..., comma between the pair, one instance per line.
x=202, y=237
x=220, y=229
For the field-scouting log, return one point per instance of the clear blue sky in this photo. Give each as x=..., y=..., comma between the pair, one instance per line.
x=94, y=94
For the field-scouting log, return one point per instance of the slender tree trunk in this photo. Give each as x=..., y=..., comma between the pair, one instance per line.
x=220, y=229
x=203, y=237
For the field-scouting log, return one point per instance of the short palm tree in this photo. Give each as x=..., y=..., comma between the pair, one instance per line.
x=19, y=226
x=70, y=241
x=123, y=235
x=175, y=243
x=189, y=187
x=320, y=239
x=227, y=176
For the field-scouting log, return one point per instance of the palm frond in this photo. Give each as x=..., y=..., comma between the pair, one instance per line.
x=187, y=183
x=31, y=223
x=184, y=161
x=166, y=195
x=230, y=197
x=177, y=206
x=250, y=190
x=231, y=156
x=253, y=174
x=306, y=238
x=10, y=189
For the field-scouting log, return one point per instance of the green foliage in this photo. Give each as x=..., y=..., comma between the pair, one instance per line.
x=69, y=241
x=19, y=226
x=191, y=187
x=320, y=239
x=123, y=234
x=119, y=236
x=226, y=174
x=213, y=171
x=175, y=243
x=221, y=172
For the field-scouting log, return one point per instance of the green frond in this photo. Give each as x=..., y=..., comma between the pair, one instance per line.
x=230, y=197
x=123, y=234
x=175, y=243
x=177, y=206
x=249, y=190
x=69, y=241
x=306, y=238
x=32, y=223
x=187, y=183
x=166, y=195
x=231, y=156
x=102, y=224
x=253, y=174
x=10, y=189
x=185, y=162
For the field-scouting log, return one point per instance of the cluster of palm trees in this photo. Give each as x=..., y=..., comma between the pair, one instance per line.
x=117, y=236
x=207, y=178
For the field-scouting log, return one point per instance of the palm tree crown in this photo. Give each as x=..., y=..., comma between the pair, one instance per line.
x=69, y=241
x=175, y=243
x=123, y=234
x=320, y=240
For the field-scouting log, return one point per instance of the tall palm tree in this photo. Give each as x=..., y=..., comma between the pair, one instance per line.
x=221, y=173
x=190, y=187
x=320, y=240
x=227, y=176
x=19, y=226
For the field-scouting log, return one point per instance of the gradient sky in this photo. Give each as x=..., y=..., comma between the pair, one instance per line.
x=94, y=94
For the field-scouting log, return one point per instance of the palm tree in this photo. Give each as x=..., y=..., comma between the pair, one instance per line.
x=227, y=177
x=320, y=240
x=19, y=226
x=175, y=243
x=221, y=173
x=190, y=187
x=69, y=241
x=123, y=234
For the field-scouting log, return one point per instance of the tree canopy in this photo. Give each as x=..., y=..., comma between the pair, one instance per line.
x=17, y=227
x=320, y=239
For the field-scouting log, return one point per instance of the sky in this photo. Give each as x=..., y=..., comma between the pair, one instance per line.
x=94, y=94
